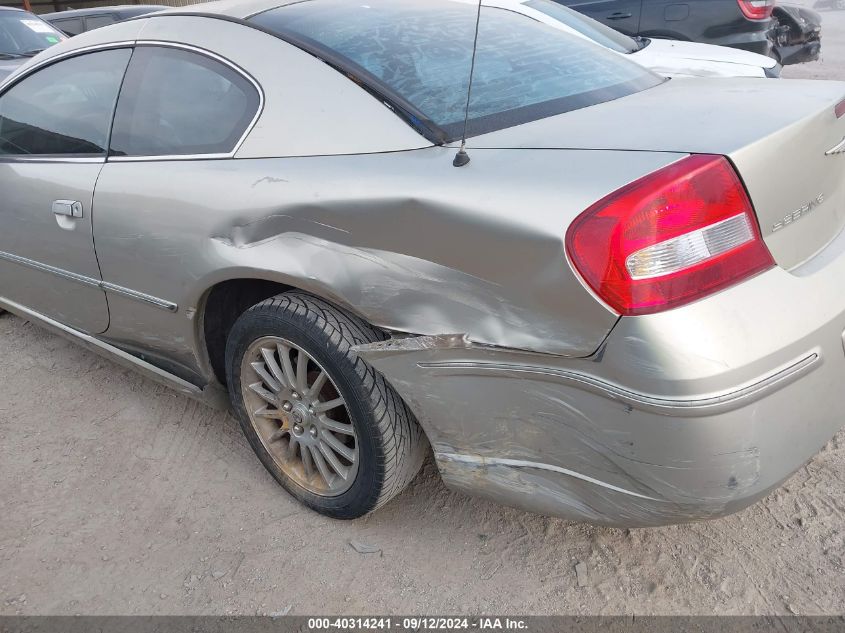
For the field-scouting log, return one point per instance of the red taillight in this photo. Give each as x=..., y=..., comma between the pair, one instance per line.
x=839, y=109
x=756, y=9
x=671, y=237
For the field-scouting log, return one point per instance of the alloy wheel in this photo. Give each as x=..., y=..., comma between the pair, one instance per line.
x=299, y=415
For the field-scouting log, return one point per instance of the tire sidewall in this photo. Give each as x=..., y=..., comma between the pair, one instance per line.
x=268, y=320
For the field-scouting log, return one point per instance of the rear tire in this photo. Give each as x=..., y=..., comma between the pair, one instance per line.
x=347, y=448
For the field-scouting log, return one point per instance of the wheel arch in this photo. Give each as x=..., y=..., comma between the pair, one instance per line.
x=224, y=300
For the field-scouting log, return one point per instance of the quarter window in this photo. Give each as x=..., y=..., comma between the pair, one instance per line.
x=96, y=21
x=71, y=26
x=64, y=109
x=176, y=103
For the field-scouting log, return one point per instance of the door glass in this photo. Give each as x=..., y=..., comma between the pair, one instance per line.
x=64, y=109
x=176, y=102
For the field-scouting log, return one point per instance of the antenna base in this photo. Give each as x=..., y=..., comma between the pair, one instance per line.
x=461, y=158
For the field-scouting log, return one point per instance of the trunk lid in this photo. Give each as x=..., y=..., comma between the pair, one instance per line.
x=776, y=132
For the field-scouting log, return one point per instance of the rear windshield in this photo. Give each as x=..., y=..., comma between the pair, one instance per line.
x=419, y=52
x=24, y=35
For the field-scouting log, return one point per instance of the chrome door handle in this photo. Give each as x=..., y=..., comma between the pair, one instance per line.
x=70, y=208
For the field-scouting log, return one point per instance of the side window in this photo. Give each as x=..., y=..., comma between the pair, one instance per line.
x=71, y=26
x=64, y=108
x=177, y=102
x=96, y=21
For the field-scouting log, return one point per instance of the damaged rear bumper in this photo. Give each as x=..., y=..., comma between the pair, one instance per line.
x=690, y=414
x=796, y=35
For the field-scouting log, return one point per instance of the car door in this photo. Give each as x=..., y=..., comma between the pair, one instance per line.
x=622, y=15
x=54, y=131
x=181, y=115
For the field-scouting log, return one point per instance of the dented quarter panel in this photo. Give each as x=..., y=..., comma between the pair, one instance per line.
x=471, y=254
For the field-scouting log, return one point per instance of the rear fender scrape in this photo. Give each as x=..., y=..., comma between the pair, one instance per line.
x=565, y=495
x=554, y=442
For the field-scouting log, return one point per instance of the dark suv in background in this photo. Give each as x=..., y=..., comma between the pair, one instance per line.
x=739, y=23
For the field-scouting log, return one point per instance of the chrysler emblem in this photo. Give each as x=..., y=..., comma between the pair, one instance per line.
x=839, y=148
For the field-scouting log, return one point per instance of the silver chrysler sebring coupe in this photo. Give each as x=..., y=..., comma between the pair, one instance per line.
x=622, y=302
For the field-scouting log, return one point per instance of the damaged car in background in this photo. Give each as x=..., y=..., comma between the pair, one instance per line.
x=796, y=34
x=665, y=57
x=603, y=305
x=789, y=33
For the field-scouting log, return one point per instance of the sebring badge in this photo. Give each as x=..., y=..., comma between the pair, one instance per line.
x=789, y=218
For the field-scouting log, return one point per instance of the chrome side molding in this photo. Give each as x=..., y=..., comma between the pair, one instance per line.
x=91, y=282
x=677, y=406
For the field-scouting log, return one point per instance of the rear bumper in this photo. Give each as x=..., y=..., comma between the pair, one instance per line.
x=690, y=414
x=798, y=53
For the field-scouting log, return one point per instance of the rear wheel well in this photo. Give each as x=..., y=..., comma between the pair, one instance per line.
x=226, y=302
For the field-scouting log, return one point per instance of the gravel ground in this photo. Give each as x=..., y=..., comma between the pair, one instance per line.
x=121, y=497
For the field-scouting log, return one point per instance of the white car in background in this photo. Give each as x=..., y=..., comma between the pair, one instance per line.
x=22, y=36
x=666, y=57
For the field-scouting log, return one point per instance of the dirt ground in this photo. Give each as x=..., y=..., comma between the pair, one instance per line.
x=120, y=497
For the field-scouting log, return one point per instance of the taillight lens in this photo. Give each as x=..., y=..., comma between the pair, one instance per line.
x=671, y=237
x=756, y=9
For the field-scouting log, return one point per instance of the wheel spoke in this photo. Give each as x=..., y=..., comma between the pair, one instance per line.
x=292, y=444
x=284, y=354
x=337, y=427
x=331, y=458
x=272, y=365
x=271, y=414
x=302, y=371
x=337, y=446
x=318, y=383
x=322, y=407
x=308, y=462
x=262, y=372
x=321, y=466
x=278, y=435
x=259, y=389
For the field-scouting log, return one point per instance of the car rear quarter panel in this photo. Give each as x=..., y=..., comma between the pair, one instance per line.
x=403, y=239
